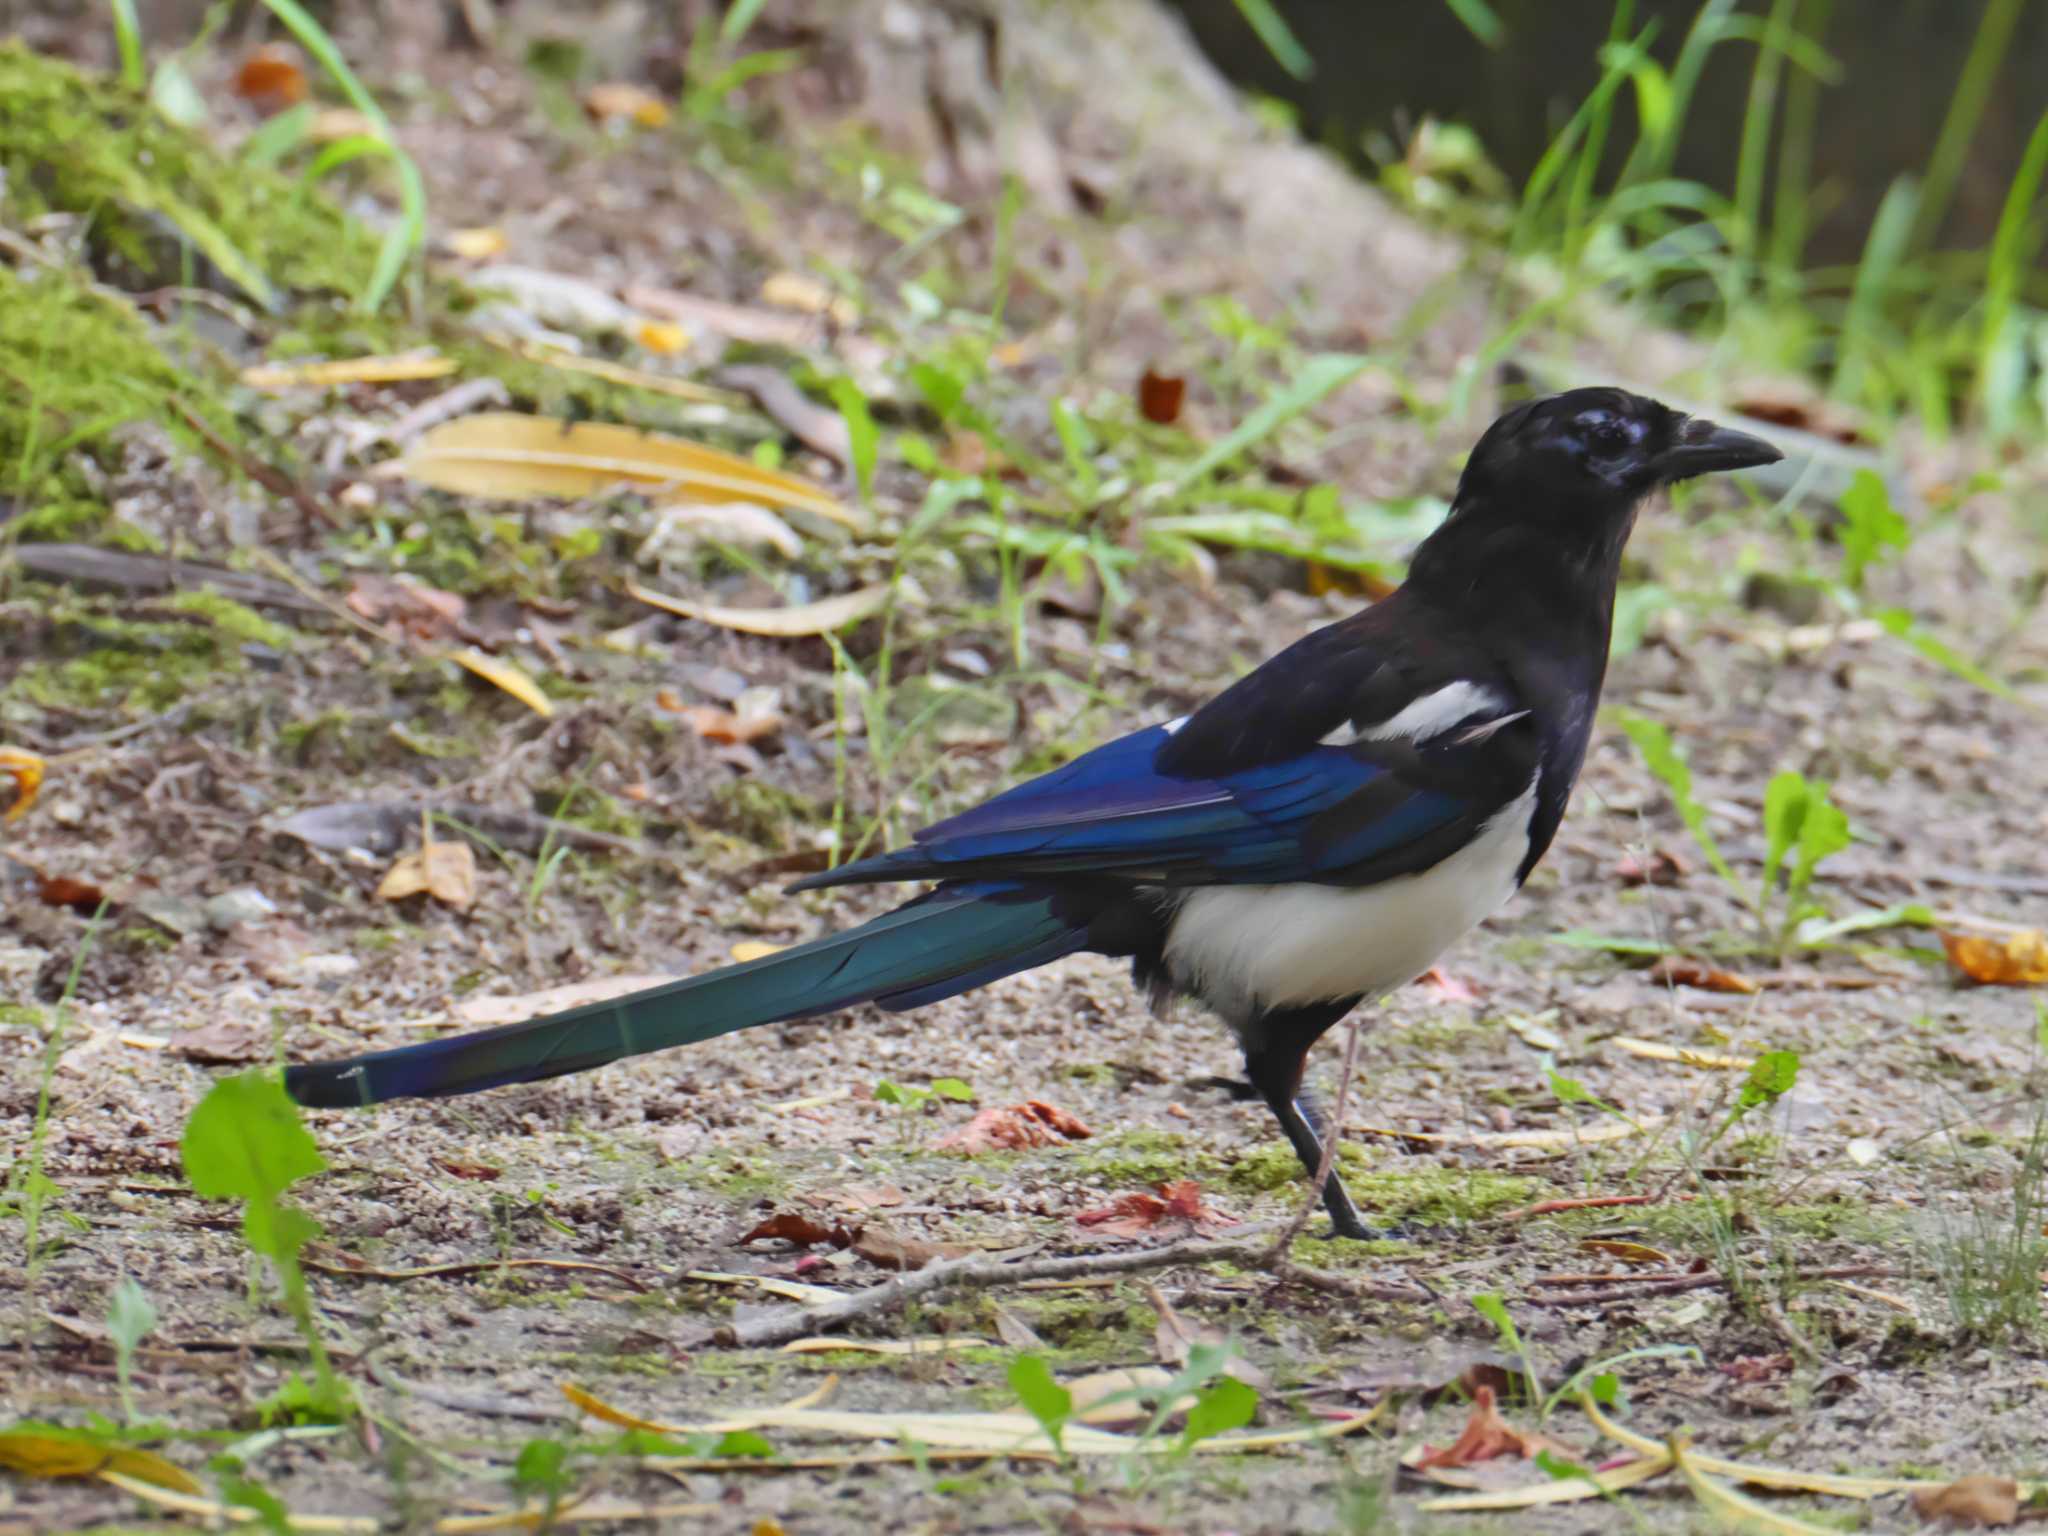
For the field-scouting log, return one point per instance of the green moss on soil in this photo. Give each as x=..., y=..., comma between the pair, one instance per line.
x=1419, y=1192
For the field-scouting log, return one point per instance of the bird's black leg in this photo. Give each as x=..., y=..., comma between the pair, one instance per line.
x=1276, y=1050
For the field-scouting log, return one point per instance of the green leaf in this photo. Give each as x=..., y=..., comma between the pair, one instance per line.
x=1785, y=802
x=1042, y=1396
x=1479, y=20
x=1900, y=623
x=1264, y=19
x=1317, y=378
x=1489, y=1306
x=245, y=1141
x=1224, y=1405
x=1871, y=526
x=861, y=434
x=743, y=1442
x=130, y=1315
x=1661, y=757
x=954, y=1089
x=1770, y=1077
x=543, y=1467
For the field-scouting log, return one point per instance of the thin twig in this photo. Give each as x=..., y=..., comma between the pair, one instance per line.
x=459, y=1402
x=784, y=1325
x=1671, y=1285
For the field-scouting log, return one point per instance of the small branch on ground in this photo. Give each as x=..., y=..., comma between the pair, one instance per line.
x=1671, y=1285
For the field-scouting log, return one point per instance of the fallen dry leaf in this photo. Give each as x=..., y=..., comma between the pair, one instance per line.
x=1160, y=397
x=425, y=613
x=864, y=1197
x=819, y=618
x=792, y=290
x=81, y=896
x=327, y=373
x=619, y=101
x=512, y=456
x=444, y=871
x=1013, y=1330
x=503, y=674
x=2010, y=960
x=1678, y=971
x=478, y=243
x=664, y=338
x=224, y=1042
x=462, y=1168
x=1446, y=987
x=1971, y=1503
x=1661, y=868
x=23, y=772
x=1751, y=1368
x=724, y=725
x=1178, y=1206
x=54, y=1453
x=1485, y=1436
x=272, y=78
x=796, y=1227
x=1014, y=1128
x=891, y=1250
x=1628, y=1253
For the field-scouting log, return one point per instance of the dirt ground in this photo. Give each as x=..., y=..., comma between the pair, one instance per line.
x=1828, y=1340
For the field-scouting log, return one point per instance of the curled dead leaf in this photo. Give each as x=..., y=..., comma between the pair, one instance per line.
x=1970, y=1503
x=272, y=78
x=328, y=373
x=23, y=772
x=1485, y=1436
x=891, y=1250
x=1662, y=867
x=619, y=101
x=797, y=1227
x=444, y=871
x=2008, y=960
x=1679, y=971
x=502, y=674
x=1177, y=1207
x=1015, y=1127
x=821, y=617
x=1160, y=396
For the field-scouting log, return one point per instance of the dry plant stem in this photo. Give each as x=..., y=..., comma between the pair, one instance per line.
x=1285, y=1245
x=801, y=1323
x=1659, y=1285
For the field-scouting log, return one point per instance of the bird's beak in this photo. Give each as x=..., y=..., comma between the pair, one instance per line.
x=1705, y=449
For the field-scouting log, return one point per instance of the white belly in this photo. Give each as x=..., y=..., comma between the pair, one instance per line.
x=1243, y=948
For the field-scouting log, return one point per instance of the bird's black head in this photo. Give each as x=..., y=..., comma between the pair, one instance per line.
x=1595, y=453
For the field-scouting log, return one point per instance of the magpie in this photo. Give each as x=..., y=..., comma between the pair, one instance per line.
x=1315, y=835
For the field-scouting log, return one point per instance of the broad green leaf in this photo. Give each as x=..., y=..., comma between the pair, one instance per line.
x=1223, y=1406
x=1770, y=1077
x=863, y=440
x=245, y=1141
x=954, y=1089
x=1042, y=1396
x=1785, y=803
x=1319, y=377
x=1871, y=526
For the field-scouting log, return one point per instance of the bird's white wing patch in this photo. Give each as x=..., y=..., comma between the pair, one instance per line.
x=1425, y=718
x=1244, y=948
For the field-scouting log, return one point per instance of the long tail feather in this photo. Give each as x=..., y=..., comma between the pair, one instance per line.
x=955, y=938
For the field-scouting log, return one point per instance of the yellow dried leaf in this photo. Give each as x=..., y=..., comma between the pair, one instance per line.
x=754, y=949
x=1628, y=1253
x=821, y=617
x=333, y=124
x=621, y=101
x=327, y=373
x=238, y=1514
x=1564, y=1490
x=24, y=771
x=663, y=337
x=479, y=243
x=619, y=373
x=444, y=871
x=2010, y=960
x=1652, y=1051
x=503, y=674
x=792, y=290
x=1737, y=1509
x=1971, y=1503
x=510, y=455
x=33, y=1453
x=933, y=1344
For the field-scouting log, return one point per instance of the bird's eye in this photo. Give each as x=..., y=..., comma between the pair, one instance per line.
x=1606, y=432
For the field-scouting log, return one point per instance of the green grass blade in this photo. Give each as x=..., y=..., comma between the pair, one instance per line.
x=1318, y=378
x=1965, y=110
x=1278, y=37
x=128, y=37
x=2013, y=248
x=1479, y=19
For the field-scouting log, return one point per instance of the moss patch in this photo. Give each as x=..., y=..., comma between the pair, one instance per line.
x=1417, y=1191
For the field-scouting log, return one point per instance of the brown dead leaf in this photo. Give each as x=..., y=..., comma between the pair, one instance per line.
x=1160, y=397
x=1321, y=580
x=1628, y=1253
x=81, y=896
x=796, y=1227
x=224, y=1042
x=1175, y=1337
x=864, y=1197
x=1485, y=1436
x=792, y=290
x=1971, y=1503
x=619, y=102
x=1679, y=971
x=1014, y=1128
x=1177, y=1206
x=2009, y=960
x=444, y=871
x=462, y=1168
x=1662, y=867
x=1753, y=1368
x=23, y=772
x=425, y=613
x=272, y=78
x=891, y=1250
x=723, y=725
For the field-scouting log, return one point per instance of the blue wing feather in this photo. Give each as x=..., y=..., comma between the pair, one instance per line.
x=1112, y=812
